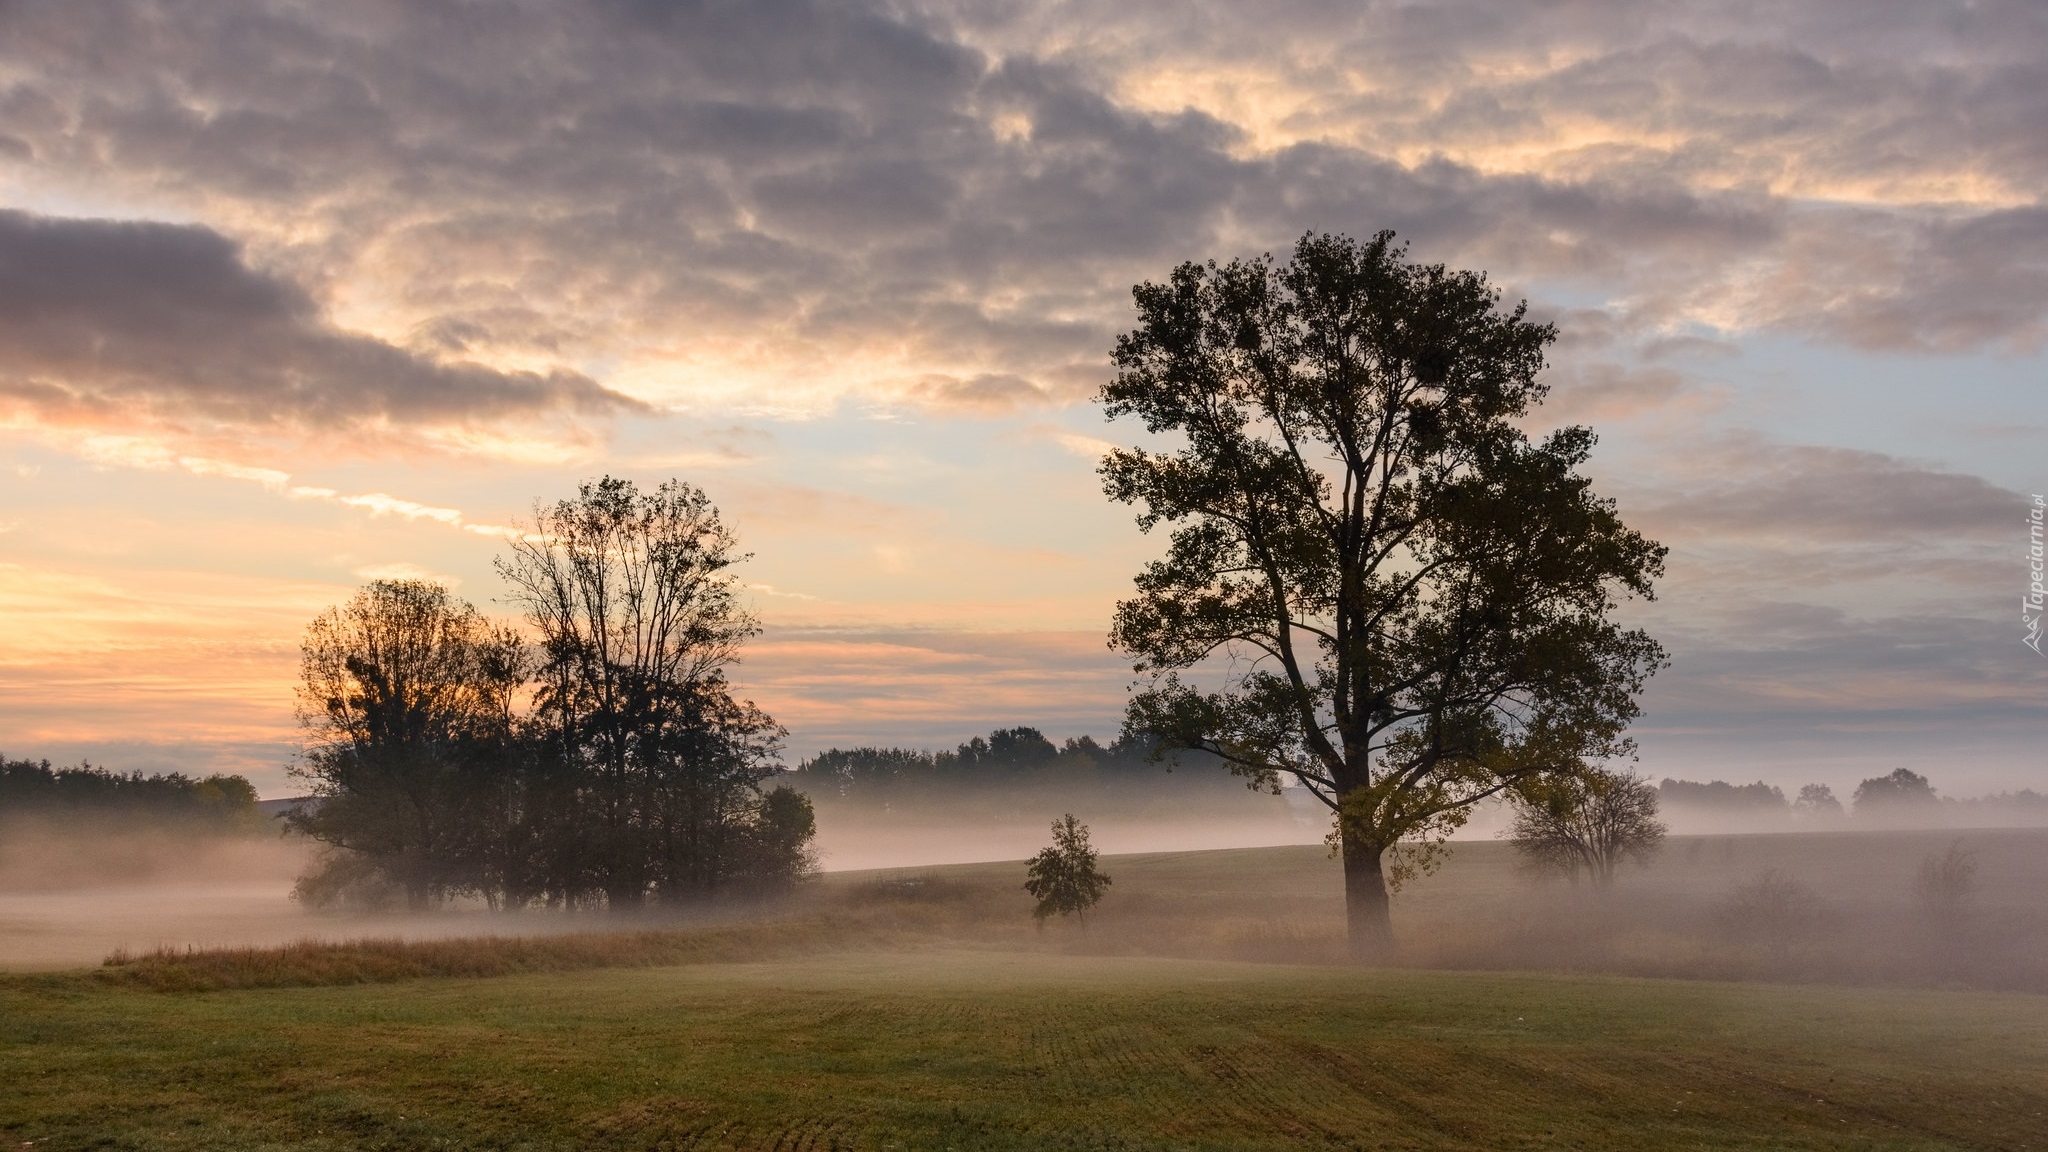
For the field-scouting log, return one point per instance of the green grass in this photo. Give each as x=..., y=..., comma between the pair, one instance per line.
x=998, y=1049
x=919, y=1009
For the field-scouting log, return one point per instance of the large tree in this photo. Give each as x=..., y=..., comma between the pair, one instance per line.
x=1376, y=582
x=650, y=755
x=406, y=698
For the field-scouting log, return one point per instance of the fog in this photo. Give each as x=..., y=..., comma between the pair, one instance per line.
x=1249, y=880
x=74, y=891
x=1013, y=825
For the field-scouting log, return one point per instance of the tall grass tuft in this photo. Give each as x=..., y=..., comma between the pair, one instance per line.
x=310, y=963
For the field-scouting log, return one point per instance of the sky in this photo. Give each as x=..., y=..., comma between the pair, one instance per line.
x=294, y=296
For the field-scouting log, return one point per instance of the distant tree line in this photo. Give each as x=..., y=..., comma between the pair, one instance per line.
x=1721, y=794
x=602, y=763
x=214, y=803
x=1899, y=794
x=1010, y=763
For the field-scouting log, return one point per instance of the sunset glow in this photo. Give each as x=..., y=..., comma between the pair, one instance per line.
x=296, y=296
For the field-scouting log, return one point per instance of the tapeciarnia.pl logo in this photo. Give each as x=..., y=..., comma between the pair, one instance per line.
x=2031, y=606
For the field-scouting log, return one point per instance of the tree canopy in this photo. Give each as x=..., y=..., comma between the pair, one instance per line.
x=639, y=617
x=32, y=788
x=1900, y=790
x=1375, y=581
x=603, y=760
x=1063, y=876
x=406, y=702
x=1585, y=824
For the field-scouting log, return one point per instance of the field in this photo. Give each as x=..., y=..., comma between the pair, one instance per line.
x=993, y=1050
x=919, y=1009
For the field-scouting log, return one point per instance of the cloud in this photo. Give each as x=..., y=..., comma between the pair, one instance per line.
x=379, y=504
x=1748, y=490
x=406, y=570
x=946, y=202
x=845, y=687
x=108, y=320
x=1599, y=391
x=150, y=455
x=983, y=393
x=353, y=217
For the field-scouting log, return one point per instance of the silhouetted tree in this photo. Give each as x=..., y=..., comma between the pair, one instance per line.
x=1585, y=824
x=1900, y=791
x=1946, y=882
x=1773, y=911
x=1411, y=598
x=406, y=705
x=1721, y=795
x=1063, y=876
x=1817, y=802
x=657, y=767
x=217, y=803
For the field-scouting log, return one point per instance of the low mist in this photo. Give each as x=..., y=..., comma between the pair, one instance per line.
x=1245, y=879
x=75, y=890
x=1011, y=824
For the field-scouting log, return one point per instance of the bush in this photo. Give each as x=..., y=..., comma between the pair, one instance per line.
x=1773, y=911
x=1946, y=882
x=1586, y=824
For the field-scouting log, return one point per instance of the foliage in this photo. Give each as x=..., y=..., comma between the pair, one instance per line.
x=1585, y=824
x=1406, y=598
x=1901, y=790
x=355, y=881
x=1063, y=877
x=611, y=766
x=406, y=701
x=1010, y=760
x=1721, y=794
x=1773, y=911
x=651, y=772
x=215, y=803
x=1946, y=882
x=1817, y=802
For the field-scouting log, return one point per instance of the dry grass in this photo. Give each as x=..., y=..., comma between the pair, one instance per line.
x=313, y=963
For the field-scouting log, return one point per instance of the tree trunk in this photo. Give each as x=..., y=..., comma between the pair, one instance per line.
x=1370, y=927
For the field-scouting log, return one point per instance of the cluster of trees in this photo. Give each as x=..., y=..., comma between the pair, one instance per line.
x=1586, y=825
x=1723, y=795
x=1899, y=794
x=215, y=803
x=1007, y=761
x=604, y=763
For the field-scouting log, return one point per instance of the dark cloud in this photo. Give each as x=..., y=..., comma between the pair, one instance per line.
x=1949, y=284
x=985, y=393
x=1954, y=694
x=975, y=185
x=1811, y=494
x=109, y=315
x=1587, y=393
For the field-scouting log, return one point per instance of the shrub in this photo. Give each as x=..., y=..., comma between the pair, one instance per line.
x=1946, y=882
x=1063, y=876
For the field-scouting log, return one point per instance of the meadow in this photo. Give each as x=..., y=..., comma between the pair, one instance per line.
x=1197, y=1008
